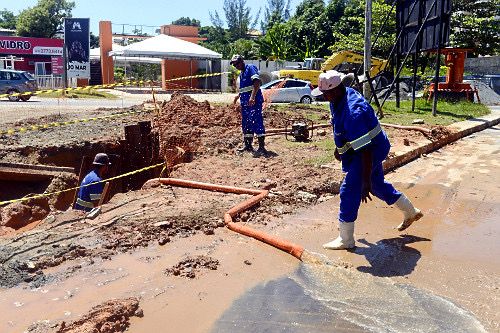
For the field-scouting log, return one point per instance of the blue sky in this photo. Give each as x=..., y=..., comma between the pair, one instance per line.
x=145, y=12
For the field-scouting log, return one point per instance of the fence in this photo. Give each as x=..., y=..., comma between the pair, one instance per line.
x=45, y=82
x=49, y=81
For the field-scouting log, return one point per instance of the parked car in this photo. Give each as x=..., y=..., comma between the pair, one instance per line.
x=12, y=82
x=288, y=90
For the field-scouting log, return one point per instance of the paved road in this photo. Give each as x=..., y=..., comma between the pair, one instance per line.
x=38, y=107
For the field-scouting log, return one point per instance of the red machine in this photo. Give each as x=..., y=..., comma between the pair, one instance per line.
x=454, y=87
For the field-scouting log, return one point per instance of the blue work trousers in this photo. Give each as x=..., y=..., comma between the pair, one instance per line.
x=350, y=190
x=252, y=121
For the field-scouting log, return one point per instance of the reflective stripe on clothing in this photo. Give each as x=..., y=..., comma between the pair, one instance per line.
x=95, y=197
x=84, y=203
x=361, y=141
x=246, y=89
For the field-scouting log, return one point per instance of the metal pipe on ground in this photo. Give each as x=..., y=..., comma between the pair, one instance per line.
x=410, y=128
x=291, y=248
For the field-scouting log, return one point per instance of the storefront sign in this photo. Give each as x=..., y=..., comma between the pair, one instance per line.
x=57, y=65
x=77, y=41
x=33, y=46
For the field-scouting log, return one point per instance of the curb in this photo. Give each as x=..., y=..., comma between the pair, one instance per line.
x=407, y=157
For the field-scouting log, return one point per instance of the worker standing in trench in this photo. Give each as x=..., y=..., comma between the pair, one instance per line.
x=362, y=146
x=251, y=101
x=91, y=187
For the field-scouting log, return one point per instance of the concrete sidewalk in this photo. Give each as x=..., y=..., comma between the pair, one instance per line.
x=459, y=130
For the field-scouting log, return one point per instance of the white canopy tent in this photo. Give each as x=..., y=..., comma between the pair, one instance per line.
x=166, y=47
x=122, y=61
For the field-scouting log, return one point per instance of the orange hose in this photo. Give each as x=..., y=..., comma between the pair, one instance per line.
x=258, y=195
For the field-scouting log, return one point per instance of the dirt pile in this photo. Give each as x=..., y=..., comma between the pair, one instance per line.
x=439, y=132
x=20, y=214
x=110, y=317
x=185, y=125
x=192, y=266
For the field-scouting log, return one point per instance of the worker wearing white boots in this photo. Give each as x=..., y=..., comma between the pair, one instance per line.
x=362, y=146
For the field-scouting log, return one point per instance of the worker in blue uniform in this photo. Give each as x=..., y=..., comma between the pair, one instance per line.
x=251, y=101
x=362, y=146
x=92, y=186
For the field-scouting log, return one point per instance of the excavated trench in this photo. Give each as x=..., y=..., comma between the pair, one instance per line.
x=57, y=168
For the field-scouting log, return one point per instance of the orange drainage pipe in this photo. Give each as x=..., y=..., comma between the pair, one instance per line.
x=258, y=195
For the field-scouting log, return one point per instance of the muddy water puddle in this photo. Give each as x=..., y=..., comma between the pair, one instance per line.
x=325, y=297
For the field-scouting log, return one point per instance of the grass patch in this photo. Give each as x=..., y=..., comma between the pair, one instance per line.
x=88, y=93
x=327, y=147
x=313, y=112
x=447, y=113
x=319, y=160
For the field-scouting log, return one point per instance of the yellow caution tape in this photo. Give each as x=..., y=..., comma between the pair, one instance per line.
x=43, y=195
x=106, y=86
x=31, y=128
x=196, y=76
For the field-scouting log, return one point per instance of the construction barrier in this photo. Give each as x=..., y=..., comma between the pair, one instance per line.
x=106, y=86
x=44, y=195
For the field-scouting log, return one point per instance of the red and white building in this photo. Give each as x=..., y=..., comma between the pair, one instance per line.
x=39, y=56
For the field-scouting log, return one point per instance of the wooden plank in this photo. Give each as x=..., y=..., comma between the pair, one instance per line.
x=84, y=166
x=104, y=194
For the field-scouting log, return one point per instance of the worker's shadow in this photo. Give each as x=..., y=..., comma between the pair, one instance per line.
x=270, y=154
x=390, y=257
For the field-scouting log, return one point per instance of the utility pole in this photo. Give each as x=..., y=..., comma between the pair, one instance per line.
x=367, y=61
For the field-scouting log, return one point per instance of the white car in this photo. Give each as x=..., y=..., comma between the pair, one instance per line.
x=288, y=91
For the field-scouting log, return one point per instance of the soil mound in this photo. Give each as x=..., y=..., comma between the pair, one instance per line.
x=20, y=214
x=439, y=132
x=110, y=317
x=192, y=265
x=186, y=126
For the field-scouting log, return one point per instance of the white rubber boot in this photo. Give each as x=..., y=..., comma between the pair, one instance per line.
x=411, y=214
x=345, y=239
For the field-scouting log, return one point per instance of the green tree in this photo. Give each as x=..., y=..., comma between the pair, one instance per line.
x=7, y=19
x=217, y=39
x=238, y=19
x=44, y=19
x=94, y=41
x=475, y=24
x=277, y=11
x=276, y=43
x=304, y=29
x=350, y=33
x=249, y=49
x=187, y=22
